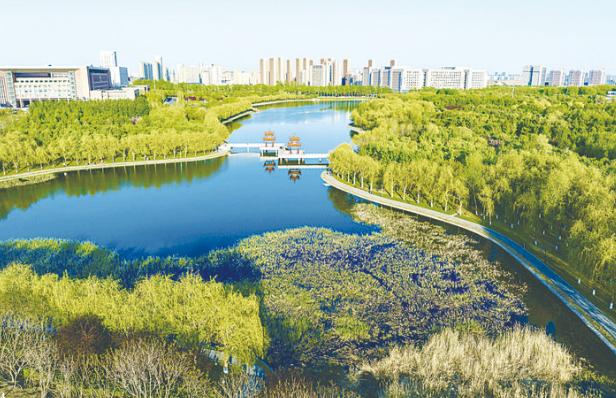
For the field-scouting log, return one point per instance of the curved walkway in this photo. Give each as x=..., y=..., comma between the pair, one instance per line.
x=574, y=300
x=97, y=166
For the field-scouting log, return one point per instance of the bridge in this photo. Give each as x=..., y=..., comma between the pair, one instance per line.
x=278, y=151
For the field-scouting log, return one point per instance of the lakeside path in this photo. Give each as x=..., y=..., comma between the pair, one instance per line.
x=97, y=166
x=574, y=300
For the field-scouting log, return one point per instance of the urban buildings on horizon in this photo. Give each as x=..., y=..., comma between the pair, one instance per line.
x=19, y=86
x=538, y=75
x=331, y=72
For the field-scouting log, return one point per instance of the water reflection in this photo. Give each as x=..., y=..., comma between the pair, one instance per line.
x=189, y=209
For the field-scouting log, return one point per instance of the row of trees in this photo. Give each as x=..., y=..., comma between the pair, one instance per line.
x=479, y=152
x=80, y=132
x=194, y=311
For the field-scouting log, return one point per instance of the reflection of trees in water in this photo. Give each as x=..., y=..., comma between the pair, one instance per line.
x=90, y=182
x=341, y=201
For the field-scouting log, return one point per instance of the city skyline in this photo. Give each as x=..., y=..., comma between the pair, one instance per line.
x=415, y=35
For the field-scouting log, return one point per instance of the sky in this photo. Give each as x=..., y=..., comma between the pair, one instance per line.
x=490, y=34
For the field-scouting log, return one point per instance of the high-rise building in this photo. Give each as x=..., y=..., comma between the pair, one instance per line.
x=289, y=72
x=556, y=78
x=108, y=59
x=575, y=78
x=596, y=77
x=346, y=67
x=375, y=77
x=263, y=74
x=298, y=70
x=318, y=75
x=271, y=72
x=386, y=78
x=533, y=75
x=147, y=71
x=158, y=69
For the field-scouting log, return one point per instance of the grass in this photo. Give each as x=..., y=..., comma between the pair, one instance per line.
x=520, y=362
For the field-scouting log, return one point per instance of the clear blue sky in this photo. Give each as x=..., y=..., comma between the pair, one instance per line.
x=491, y=34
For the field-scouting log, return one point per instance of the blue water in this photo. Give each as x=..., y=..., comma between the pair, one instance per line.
x=191, y=208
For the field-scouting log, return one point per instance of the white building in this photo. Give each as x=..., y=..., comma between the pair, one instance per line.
x=556, y=78
x=188, y=74
x=596, y=77
x=21, y=86
x=412, y=79
x=575, y=78
x=449, y=77
x=403, y=79
x=475, y=78
x=533, y=75
x=129, y=93
x=318, y=75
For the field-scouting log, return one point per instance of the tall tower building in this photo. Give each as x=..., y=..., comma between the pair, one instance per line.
x=262, y=71
x=346, y=67
x=298, y=70
x=392, y=63
x=158, y=68
x=108, y=59
x=369, y=63
x=147, y=71
x=271, y=72
x=289, y=72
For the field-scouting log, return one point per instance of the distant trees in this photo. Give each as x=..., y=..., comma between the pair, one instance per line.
x=500, y=157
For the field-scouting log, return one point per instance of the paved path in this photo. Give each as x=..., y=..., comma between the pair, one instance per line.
x=110, y=165
x=573, y=299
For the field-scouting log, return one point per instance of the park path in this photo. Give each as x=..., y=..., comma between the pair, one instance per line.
x=589, y=313
x=96, y=166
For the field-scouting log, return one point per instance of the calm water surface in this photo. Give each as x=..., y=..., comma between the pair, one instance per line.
x=192, y=208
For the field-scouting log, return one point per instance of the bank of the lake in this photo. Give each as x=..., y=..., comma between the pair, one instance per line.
x=592, y=316
x=34, y=176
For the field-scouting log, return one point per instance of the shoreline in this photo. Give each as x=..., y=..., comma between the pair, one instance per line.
x=66, y=169
x=99, y=166
x=577, y=303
